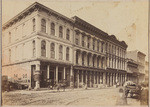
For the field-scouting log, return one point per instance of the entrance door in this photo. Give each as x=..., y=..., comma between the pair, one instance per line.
x=43, y=82
x=88, y=79
x=52, y=75
x=32, y=76
x=59, y=76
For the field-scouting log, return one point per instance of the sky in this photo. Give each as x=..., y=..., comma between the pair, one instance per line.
x=126, y=19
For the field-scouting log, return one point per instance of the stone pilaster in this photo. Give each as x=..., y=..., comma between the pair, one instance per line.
x=56, y=74
x=48, y=71
x=78, y=78
x=37, y=75
x=38, y=47
x=71, y=77
x=64, y=73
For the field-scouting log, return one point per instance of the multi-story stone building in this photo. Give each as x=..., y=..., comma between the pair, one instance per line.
x=40, y=41
x=139, y=57
x=132, y=71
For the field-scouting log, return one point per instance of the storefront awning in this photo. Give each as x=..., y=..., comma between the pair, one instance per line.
x=88, y=68
x=111, y=70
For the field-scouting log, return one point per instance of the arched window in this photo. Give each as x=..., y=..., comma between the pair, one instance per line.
x=93, y=44
x=118, y=51
x=9, y=37
x=60, y=52
x=88, y=45
x=83, y=43
x=106, y=47
x=52, y=50
x=43, y=48
x=98, y=45
x=112, y=49
x=93, y=61
x=77, y=57
x=43, y=25
x=77, y=38
x=9, y=55
x=68, y=34
x=33, y=21
x=60, y=31
x=67, y=53
x=52, y=29
x=102, y=46
x=88, y=60
x=98, y=62
x=33, y=44
x=83, y=59
x=102, y=62
x=109, y=48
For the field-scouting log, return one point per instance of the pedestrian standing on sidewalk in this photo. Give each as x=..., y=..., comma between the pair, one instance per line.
x=121, y=99
x=144, y=94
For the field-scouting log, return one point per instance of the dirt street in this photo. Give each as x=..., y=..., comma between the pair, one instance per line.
x=90, y=97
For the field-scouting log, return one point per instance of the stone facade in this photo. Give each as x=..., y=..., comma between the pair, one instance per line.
x=139, y=58
x=40, y=41
x=132, y=71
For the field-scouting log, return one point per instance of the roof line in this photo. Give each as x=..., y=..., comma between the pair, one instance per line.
x=32, y=5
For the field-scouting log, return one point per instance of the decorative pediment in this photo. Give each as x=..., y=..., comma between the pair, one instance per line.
x=113, y=37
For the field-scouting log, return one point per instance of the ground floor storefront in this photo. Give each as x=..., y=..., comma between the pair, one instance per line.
x=97, y=77
x=41, y=74
x=75, y=76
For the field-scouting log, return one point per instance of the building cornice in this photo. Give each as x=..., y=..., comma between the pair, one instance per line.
x=35, y=7
x=85, y=26
x=114, y=39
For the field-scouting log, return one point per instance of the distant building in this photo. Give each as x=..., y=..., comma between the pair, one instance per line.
x=146, y=71
x=132, y=71
x=40, y=41
x=139, y=58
